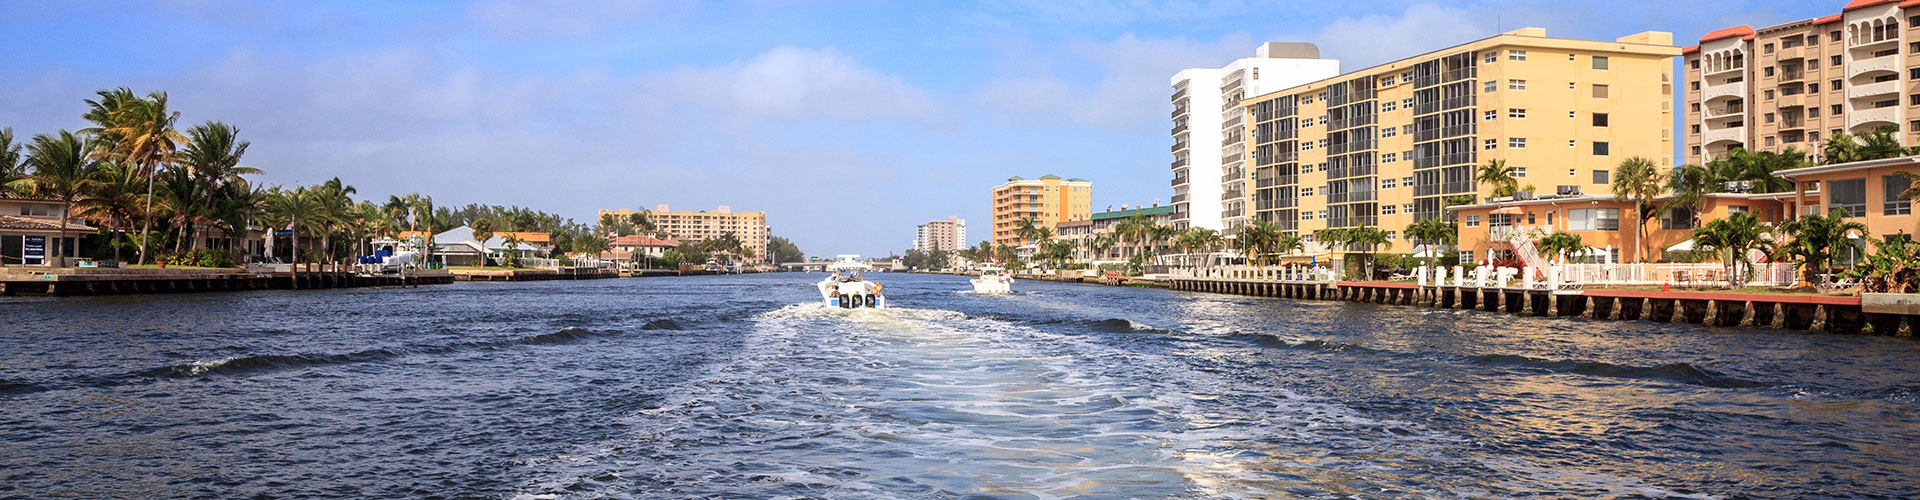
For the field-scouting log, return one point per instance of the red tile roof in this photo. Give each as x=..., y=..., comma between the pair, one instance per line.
x=1829, y=19
x=1743, y=31
x=641, y=241
x=1690, y=50
x=38, y=224
x=1857, y=4
x=527, y=237
x=1909, y=3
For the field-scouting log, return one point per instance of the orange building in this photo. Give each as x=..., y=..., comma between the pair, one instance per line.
x=1048, y=200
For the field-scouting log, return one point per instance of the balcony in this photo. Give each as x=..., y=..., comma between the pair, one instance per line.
x=1177, y=129
x=1789, y=77
x=1873, y=90
x=1790, y=101
x=1232, y=195
x=1735, y=90
x=1727, y=71
x=1790, y=53
x=1181, y=198
x=1179, y=181
x=1793, y=124
x=1731, y=135
x=1873, y=66
x=1179, y=146
x=1866, y=120
x=1720, y=112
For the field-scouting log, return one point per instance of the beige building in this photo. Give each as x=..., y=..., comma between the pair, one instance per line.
x=948, y=234
x=1048, y=200
x=1794, y=84
x=695, y=227
x=1387, y=145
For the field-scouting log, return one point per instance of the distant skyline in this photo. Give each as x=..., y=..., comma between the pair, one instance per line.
x=848, y=123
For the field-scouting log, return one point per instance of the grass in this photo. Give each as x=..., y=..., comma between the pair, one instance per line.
x=157, y=266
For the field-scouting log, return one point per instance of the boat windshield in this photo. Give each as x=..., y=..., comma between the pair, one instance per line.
x=846, y=275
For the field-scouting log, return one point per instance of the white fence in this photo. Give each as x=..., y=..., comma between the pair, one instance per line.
x=1262, y=273
x=1556, y=277
x=1707, y=274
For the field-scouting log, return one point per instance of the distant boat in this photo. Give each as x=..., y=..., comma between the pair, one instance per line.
x=847, y=287
x=993, y=280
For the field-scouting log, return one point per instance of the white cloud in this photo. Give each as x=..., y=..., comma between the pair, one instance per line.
x=1131, y=88
x=1364, y=41
x=799, y=83
x=557, y=18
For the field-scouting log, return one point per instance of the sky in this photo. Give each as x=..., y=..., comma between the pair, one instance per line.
x=847, y=122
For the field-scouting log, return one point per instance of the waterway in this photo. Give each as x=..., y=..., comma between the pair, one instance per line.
x=744, y=387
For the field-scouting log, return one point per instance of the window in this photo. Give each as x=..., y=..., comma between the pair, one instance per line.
x=1472, y=221
x=1696, y=129
x=1516, y=55
x=1307, y=215
x=1389, y=158
x=1836, y=110
x=1833, y=36
x=1517, y=113
x=1466, y=256
x=1600, y=148
x=1593, y=219
x=1599, y=119
x=1599, y=91
x=1306, y=145
x=1601, y=177
x=1814, y=88
x=1517, y=142
x=1389, y=106
x=1391, y=235
x=1693, y=86
x=1813, y=111
x=1407, y=130
x=1407, y=103
x=1571, y=115
x=1323, y=214
x=1913, y=100
x=1767, y=116
x=1599, y=62
x=1695, y=63
x=1407, y=208
x=1766, y=48
x=1849, y=195
x=1323, y=143
x=1306, y=169
x=1893, y=186
x=1492, y=144
x=1768, y=93
x=1386, y=80
x=1386, y=183
x=1388, y=210
x=1767, y=71
x=1489, y=86
x=1306, y=191
x=1834, y=61
x=1516, y=84
x=1306, y=122
x=1913, y=47
x=1492, y=56
x=1676, y=218
x=1389, y=132
x=1323, y=119
x=1491, y=114
x=1519, y=172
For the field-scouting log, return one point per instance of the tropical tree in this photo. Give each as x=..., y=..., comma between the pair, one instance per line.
x=140, y=131
x=1258, y=238
x=297, y=209
x=1368, y=239
x=1893, y=267
x=782, y=250
x=1499, y=176
x=1027, y=230
x=591, y=244
x=61, y=171
x=212, y=157
x=13, y=173
x=1690, y=185
x=511, y=257
x=1814, y=240
x=1431, y=233
x=1198, y=238
x=1639, y=181
x=116, y=199
x=1005, y=253
x=336, y=202
x=1560, y=244
x=482, y=231
x=1732, y=238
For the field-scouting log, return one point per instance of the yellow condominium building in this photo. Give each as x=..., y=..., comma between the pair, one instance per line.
x=749, y=227
x=1794, y=84
x=1047, y=200
x=1388, y=145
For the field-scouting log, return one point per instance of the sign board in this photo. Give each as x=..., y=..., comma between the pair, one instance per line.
x=34, y=250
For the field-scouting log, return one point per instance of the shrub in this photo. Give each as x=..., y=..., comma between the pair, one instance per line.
x=198, y=258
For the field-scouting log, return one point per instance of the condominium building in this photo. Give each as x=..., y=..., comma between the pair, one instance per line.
x=1103, y=224
x=1209, y=184
x=949, y=234
x=1048, y=200
x=1388, y=145
x=1790, y=85
x=695, y=227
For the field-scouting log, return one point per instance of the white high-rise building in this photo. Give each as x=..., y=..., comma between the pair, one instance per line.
x=949, y=234
x=1210, y=132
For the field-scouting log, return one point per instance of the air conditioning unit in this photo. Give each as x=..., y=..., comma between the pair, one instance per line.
x=1569, y=190
x=1523, y=195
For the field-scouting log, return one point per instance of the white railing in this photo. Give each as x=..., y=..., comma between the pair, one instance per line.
x=1704, y=274
x=1255, y=273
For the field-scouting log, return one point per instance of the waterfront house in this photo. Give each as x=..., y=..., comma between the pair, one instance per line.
x=1488, y=230
x=456, y=247
x=30, y=232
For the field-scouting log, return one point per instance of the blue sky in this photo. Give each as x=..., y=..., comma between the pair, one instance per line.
x=847, y=122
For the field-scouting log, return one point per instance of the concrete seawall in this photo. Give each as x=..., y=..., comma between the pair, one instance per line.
x=1833, y=314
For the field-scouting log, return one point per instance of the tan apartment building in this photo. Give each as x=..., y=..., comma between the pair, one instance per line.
x=948, y=234
x=1387, y=145
x=1048, y=200
x=694, y=227
x=1794, y=84
x=1082, y=232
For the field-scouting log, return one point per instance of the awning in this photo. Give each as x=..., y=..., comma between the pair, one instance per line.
x=1684, y=246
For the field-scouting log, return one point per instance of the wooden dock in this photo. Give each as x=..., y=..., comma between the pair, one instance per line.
x=111, y=281
x=1837, y=314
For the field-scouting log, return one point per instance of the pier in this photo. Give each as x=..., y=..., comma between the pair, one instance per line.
x=109, y=281
x=1874, y=314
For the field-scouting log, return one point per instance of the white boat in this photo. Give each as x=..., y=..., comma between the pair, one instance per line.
x=847, y=288
x=993, y=280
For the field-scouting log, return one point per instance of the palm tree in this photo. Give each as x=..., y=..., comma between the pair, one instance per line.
x=1368, y=239
x=1735, y=237
x=1028, y=230
x=1257, y=239
x=142, y=132
x=482, y=231
x=642, y=222
x=179, y=196
x=512, y=255
x=1496, y=174
x=1283, y=244
x=13, y=173
x=336, y=203
x=1691, y=184
x=1432, y=232
x=1637, y=179
x=298, y=209
x=235, y=210
x=115, y=200
x=213, y=156
x=1815, y=240
x=1560, y=244
x=62, y=171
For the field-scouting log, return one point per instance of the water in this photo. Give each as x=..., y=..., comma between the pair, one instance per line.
x=742, y=387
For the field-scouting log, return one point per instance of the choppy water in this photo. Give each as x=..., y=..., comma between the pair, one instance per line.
x=741, y=387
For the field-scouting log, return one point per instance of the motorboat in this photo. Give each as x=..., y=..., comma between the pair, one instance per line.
x=846, y=286
x=993, y=280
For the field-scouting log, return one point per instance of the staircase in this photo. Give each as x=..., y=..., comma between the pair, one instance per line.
x=1522, y=240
